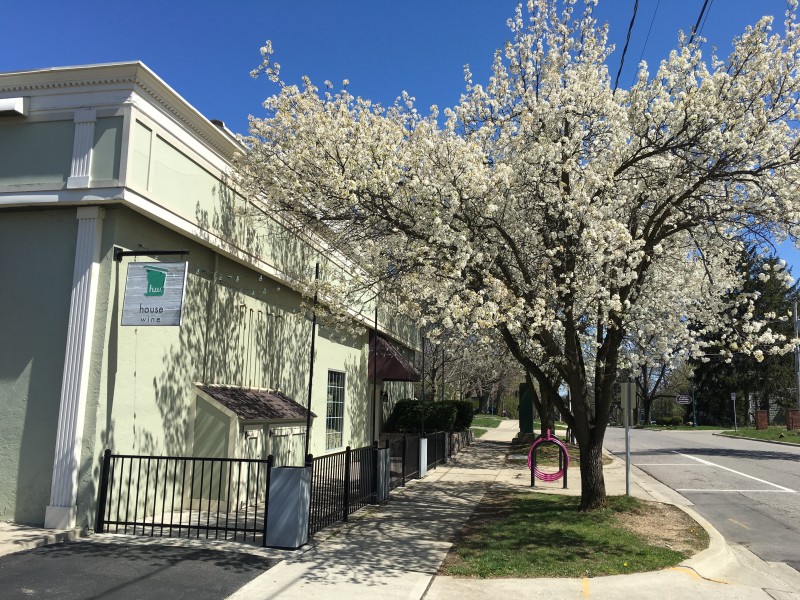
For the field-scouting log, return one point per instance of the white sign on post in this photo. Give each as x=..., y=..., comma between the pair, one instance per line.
x=154, y=294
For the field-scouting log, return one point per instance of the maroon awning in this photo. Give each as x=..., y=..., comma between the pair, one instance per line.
x=392, y=365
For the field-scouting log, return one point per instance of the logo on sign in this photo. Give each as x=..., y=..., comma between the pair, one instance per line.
x=156, y=279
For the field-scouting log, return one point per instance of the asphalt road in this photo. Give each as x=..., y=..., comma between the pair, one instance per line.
x=92, y=570
x=749, y=491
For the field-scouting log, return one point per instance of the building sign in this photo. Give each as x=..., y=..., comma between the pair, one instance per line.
x=154, y=294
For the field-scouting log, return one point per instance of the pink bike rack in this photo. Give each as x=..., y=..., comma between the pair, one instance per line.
x=563, y=460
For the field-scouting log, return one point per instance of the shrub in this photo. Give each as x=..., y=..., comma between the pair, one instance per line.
x=441, y=416
x=669, y=421
x=407, y=415
x=415, y=416
x=464, y=413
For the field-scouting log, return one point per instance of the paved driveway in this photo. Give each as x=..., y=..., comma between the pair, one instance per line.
x=89, y=570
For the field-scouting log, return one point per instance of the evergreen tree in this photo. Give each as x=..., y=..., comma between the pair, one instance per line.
x=766, y=378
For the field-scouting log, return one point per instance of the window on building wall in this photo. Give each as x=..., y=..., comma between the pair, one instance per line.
x=334, y=420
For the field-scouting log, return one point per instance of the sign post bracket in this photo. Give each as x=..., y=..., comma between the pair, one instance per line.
x=119, y=253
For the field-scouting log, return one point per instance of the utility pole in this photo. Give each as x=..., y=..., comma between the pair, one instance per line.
x=311, y=360
x=796, y=355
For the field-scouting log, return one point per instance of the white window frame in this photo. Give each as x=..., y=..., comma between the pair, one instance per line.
x=334, y=410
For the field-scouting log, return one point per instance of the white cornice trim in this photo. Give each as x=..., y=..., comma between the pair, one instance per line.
x=126, y=74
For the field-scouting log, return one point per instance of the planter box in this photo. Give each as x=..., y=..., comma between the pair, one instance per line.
x=289, y=504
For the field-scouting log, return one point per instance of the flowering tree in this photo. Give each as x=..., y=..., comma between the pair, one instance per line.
x=572, y=219
x=467, y=367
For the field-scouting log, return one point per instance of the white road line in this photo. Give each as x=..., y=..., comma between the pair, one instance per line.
x=707, y=491
x=668, y=465
x=707, y=462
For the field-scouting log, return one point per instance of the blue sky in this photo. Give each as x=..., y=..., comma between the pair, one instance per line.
x=205, y=50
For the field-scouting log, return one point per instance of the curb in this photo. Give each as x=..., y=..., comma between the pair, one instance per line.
x=707, y=562
x=42, y=539
x=741, y=437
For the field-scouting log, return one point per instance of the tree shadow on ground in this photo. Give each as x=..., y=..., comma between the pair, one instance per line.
x=411, y=533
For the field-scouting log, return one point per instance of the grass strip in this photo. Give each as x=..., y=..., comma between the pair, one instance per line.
x=486, y=421
x=678, y=427
x=776, y=434
x=518, y=534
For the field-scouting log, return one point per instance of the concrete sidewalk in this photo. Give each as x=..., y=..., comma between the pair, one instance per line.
x=394, y=550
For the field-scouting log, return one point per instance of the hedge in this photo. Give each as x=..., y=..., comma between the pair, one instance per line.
x=416, y=416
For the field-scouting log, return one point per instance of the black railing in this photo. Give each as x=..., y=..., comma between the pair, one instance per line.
x=327, y=490
x=437, y=449
x=411, y=457
x=397, y=455
x=341, y=483
x=188, y=497
x=222, y=498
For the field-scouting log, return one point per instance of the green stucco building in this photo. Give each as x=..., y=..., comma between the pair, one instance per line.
x=107, y=159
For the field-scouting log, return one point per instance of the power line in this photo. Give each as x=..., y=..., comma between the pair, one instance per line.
x=627, y=41
x=708, y=12
x=647, y=38
x=699, y=18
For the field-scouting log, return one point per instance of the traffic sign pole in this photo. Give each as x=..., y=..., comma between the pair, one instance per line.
x=628, y=390
x=733, y=399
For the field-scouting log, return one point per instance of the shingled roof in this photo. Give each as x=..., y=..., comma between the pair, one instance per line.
x=256, y=405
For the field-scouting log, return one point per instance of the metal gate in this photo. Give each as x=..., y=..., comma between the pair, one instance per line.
x=187, y=497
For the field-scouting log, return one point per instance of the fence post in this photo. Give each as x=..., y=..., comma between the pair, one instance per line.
x=310, y=463
x=101, y=500
x=270, y=462
x=403, y=463
x=346, y=495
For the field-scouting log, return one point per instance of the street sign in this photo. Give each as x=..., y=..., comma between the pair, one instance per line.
x=683, y=399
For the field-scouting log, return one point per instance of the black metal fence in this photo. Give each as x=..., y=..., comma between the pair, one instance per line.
x=437, y=449
x=411, y=458
x=397, y=455
x=403, y=459
x=341, y=483
x=185, y=497
x=222, y=498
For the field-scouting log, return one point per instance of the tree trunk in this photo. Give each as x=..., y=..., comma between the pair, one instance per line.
x=593, y=485
x=545, y=408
